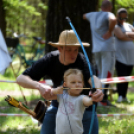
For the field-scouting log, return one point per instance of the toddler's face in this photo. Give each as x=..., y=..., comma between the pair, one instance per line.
x=74, y=81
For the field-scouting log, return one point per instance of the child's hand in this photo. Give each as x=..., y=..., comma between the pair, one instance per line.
x=58, y=90
x=97, y=96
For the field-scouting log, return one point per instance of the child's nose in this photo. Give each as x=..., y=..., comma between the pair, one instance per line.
x=77, y=84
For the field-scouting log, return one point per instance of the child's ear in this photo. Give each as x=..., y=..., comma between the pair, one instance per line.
x=64, y=84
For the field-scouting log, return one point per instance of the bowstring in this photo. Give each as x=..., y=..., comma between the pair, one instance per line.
x=91, y=73
x=64, y=101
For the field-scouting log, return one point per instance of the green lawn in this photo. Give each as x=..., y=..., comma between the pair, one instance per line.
x=117, y=125
x=25, y=125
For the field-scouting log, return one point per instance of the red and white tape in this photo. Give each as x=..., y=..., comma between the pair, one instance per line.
x=8, y=81
x=47, y=81
x=114, y=115
x=98, y=115
x=103, y=81
x=117, y=79
x=2, y=114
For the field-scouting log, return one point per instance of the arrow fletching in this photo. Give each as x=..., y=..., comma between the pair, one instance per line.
x=11, y=101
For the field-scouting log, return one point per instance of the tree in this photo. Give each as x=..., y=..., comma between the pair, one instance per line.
x=2, y=18
x=22, y=16
x=55, y=21
x=128, y=4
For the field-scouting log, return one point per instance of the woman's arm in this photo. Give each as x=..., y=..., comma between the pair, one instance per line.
x=130, y=35
x=27, y=82
x=122, y=36
x=87, y=101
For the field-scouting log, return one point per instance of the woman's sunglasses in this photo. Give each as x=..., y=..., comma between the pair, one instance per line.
x=123, y=18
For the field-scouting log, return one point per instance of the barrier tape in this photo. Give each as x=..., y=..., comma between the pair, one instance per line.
x=47, y=81
x=98, y=115
x=104, y=81
x=113, y=115
x=8, y=81
x=2, y=114
x=117, y=79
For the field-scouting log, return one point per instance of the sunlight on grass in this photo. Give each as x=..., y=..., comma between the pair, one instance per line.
x=113, y=125
x=117, y=125
x=18, y=125
x=25, y=125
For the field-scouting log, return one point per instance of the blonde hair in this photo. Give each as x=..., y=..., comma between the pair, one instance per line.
x=73, y=71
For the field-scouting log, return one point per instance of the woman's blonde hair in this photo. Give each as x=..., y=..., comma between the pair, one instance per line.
x=73, y=71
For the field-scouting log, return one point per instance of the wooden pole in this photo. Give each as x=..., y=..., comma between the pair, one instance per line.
x=19, y=85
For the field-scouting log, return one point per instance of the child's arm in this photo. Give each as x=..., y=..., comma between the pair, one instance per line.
x=87, y=101
x=55, y=91
x=58, y=90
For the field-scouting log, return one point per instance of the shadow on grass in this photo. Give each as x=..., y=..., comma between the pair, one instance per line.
x=22, y=131
x=120, y=108
x=110, y=110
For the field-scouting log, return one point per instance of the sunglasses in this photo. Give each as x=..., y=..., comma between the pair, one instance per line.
x=123, y=18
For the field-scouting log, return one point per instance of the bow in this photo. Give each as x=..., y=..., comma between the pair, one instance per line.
x=91, y=73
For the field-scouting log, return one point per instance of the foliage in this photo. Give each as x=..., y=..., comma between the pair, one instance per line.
x=19, y=6
x=22, y=16
x=128, y=4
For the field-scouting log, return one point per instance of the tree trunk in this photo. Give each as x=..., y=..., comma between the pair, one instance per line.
x=113, y=3
x=74, y=9
x=2, y=18
x=43, y=16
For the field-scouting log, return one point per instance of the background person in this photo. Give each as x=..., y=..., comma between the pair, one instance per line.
x=102, y=25
x=124, y=37
x=71, y=104
x=54, y=64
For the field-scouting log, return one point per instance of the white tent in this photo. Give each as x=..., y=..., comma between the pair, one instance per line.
x=5, y=58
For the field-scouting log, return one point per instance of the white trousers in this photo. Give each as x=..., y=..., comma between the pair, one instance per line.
x=105, y=62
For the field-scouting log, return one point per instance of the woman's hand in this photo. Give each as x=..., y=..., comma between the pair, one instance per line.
x=45, y=91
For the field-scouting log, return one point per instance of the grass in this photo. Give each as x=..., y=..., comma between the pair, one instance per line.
x=25, y=125
x=18, y=125
x=117, y=125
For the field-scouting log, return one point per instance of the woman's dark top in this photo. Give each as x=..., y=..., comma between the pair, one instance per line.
x=50, y=66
